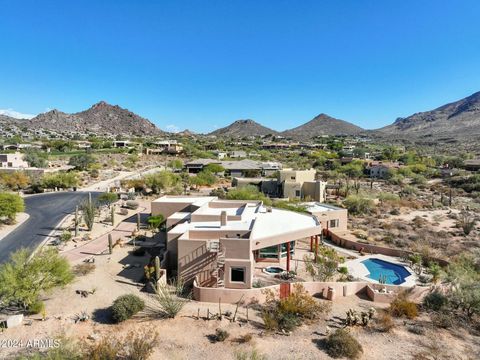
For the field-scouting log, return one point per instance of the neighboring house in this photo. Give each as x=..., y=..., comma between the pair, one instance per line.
x=122, y=144
x=472, y=165
x=84, y=144
x=291, y=184
x=380, y=169
x=13, y=161
x=220, y=242
x=331, y=217
x=238, y=154
x=241, y=168
x=171, y=147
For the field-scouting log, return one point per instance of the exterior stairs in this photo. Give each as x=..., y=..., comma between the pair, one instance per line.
x=219, y=271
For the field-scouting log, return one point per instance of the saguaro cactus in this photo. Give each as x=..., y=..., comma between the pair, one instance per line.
x=138, y=221
x=112, y=215
x=157, y=268
x=110, y=244
x=76, y=221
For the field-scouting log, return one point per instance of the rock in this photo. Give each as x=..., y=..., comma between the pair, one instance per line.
x=93, y=337
x=14, y=320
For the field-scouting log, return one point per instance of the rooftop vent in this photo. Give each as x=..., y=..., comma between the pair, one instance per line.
x=223, y=218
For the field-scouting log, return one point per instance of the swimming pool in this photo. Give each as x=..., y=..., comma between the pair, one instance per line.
x=393, y=274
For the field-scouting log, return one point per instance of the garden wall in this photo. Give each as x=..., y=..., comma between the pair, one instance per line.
x=319, y=289
x=345, y=240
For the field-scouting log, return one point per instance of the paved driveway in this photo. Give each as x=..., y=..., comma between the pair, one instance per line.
x=46, y=211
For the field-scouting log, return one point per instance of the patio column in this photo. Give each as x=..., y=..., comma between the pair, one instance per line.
x=288, y=256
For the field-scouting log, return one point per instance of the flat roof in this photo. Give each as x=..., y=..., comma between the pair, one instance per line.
x=313, y=207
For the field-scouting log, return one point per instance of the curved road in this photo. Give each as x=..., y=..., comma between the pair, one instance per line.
x=46, y=211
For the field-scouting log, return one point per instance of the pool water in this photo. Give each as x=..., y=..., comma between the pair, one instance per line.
x=393, y=274
x=274, y=270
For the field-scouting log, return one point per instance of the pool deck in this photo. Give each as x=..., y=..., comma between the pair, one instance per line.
x=360, y=271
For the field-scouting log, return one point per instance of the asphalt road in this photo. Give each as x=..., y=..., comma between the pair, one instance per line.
x=46, y=211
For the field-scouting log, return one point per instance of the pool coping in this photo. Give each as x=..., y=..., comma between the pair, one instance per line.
x=360, y=271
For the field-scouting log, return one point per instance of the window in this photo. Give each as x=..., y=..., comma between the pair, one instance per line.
x=237, y=274
x=333, y=223
x=297, y=193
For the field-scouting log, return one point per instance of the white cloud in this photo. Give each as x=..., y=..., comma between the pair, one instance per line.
x=172, y=128
x=15, y=114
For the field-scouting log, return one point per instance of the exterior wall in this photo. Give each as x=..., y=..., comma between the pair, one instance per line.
x=12, y=161
x=290, y=190
x=195, y=261
x=239, y=263
x=315, y=190
x=345, y=240
x=168, y=208
x=321, y=289
x=324, y=218
x=299, y=176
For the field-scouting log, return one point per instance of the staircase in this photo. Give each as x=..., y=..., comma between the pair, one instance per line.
x=219, y=270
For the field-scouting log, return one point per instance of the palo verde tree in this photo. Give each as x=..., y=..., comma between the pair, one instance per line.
x=10, y=205
x=25, y=278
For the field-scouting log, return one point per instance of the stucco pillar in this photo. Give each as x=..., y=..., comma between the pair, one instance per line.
x=288, y=256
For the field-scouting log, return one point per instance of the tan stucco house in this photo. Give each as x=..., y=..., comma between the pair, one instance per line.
x=218, y=242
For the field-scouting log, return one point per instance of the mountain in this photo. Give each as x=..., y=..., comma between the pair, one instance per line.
x=243, y=128
x=455, y=120
x=322, y=125
x=101, y=118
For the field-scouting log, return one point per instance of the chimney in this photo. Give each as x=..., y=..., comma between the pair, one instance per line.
x=223, y=218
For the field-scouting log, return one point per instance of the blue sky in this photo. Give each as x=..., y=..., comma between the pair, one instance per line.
x=202, y=64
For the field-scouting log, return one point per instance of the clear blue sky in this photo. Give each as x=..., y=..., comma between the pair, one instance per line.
x=202, y=64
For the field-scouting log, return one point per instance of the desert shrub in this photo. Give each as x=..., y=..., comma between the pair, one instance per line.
x=358, y=205
x=249, y=355
x=139, y=346
x=401, y=307
x=342, y=344
x=384, y=322
x=221, y=335
x=170, y=299
x=23, y=278
x=435, y=301
x=37, y=307
x=132, y=204
x=10, y=205
x=125, y=306
x=107, y=198
x=243, y=339
x=83, y=269
x=416, y=329
x=290, y=312
x=105, y=349
x=65, y=236
x=444, y=320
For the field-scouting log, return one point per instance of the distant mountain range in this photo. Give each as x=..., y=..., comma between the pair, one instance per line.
x=319, y=125
x=244, y=128
x=452, y=122
x=455, y=120
x=101, y=118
